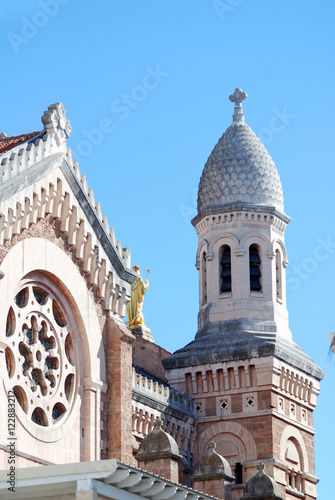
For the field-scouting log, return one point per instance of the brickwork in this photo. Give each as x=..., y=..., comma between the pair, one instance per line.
x=214, y=487
x=148, y=356
x=260, y=428
x=252, y=414
x=163, y=467
x=119, y=392
x=210, y=406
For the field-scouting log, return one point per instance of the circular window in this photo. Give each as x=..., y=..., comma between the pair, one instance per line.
x=41, y=355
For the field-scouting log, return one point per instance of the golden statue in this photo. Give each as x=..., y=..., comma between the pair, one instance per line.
x=134, y=307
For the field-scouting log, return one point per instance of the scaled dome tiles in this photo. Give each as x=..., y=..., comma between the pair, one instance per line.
x=239, y=169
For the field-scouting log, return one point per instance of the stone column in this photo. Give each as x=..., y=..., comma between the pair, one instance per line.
x=92, y=418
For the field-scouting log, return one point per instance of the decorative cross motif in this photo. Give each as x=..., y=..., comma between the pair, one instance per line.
x=224, y=405
x=238, y=97
x=250, y=402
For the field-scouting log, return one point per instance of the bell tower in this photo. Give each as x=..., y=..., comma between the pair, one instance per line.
x=254, y=389
x=240, y=225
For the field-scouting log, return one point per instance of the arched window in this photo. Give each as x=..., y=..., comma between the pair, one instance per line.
x=225, y=269
x=204, y=279
x=255, y=269
x=295, y=466
x=279, y=288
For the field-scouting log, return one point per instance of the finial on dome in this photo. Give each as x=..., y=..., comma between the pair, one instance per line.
x=260, y=467
x=158, y=424
x=237, y=97
x=211, y=445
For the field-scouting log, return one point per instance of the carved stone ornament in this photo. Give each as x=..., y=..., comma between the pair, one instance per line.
x=238, y=97
x=55, y=118
x=41, y=357
x=212, y=466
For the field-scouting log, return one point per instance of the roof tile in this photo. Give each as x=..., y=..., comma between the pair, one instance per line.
x=8, y=143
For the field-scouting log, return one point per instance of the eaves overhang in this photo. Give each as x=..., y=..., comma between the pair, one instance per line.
x=107, y=478
x=241, y=206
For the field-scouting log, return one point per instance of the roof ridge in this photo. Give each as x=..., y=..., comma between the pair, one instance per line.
x=7, y=144
x=52, y=141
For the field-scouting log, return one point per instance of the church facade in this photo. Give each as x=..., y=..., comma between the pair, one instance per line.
x=88, y=389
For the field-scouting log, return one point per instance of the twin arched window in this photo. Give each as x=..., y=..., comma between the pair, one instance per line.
x=254, y=269
x=225, y=271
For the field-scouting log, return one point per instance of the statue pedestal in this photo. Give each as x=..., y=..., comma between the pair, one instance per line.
x=143, y=331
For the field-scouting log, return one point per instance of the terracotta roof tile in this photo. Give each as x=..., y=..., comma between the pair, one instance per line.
x=8, y=143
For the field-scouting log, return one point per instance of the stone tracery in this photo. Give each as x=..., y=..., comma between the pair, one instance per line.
x=40, y=356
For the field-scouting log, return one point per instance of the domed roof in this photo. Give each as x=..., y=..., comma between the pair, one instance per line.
x=212, y=466
x=261, y=487
x=158, y=444
x=239, y=169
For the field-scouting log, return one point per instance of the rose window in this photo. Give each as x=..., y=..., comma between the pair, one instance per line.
x=40, y=355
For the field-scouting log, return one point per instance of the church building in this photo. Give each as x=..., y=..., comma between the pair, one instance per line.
x=91, y=406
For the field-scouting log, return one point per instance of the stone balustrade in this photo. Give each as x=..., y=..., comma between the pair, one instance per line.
x=162, y=393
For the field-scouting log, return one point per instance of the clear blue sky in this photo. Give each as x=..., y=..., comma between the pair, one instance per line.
x=146, y=85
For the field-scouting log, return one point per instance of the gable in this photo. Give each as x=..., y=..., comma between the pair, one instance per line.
x=40, y=180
